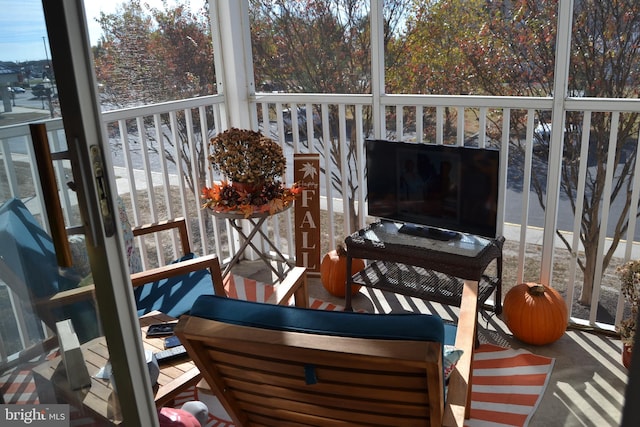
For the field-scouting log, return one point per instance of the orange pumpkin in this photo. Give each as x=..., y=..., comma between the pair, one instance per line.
x=535, y=314
x=333, y=271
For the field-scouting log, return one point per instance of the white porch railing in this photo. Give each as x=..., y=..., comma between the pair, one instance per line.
x=156, y=186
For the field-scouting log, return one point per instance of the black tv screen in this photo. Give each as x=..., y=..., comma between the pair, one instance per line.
x=448, y=187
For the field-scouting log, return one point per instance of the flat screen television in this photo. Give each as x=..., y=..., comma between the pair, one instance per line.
x=431, y=187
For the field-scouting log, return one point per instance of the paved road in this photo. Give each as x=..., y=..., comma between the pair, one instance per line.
x=22, y=115
x=27, y=100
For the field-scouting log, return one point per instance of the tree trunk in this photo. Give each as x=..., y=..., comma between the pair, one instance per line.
x=591, y=255
x=353, y=216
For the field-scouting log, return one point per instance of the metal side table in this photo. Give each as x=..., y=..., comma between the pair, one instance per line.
x=255, y=220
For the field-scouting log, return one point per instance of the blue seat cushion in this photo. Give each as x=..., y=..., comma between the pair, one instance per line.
x=410, y=326
x=29, y=252
x=174, y=296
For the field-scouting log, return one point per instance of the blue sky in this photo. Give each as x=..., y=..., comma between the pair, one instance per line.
x=22, y=26
x=21, y=30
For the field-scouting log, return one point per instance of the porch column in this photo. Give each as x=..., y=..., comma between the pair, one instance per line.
x=233, y=61
x=563, y=47
x=377, y=68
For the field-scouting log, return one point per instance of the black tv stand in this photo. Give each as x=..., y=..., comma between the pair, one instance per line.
x=429, y=232
x=425, y=268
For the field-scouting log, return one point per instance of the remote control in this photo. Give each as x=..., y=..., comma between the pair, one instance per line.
x=430, y=232
x=171, y=354
x=161, y=329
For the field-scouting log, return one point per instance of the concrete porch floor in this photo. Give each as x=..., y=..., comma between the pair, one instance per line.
x=588, y=380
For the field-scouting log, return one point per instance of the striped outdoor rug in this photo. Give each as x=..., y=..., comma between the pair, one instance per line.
x=507, y=387
x=507, y=384
x=251, y=290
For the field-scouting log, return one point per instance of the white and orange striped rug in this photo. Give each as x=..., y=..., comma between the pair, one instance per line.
x=507, y=384
x=239, y=287
x=507, y=387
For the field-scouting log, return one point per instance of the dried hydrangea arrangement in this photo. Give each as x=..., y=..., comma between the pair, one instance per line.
x=246, y=156
x=250, y=158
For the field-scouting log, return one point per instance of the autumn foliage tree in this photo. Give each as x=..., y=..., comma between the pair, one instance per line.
x=428, y=58
x=502, y=47
x=605, y=57
x=153, y=55
x=321, y=46
x=430, y=52
x=508, y=48
x=149, y=55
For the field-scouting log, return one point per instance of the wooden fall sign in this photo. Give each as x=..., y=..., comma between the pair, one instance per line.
x=307, y=212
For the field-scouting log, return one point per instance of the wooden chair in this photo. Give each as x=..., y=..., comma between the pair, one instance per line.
x=286, y=366
x=152, y=288
x=28, y=266
x=172, y=289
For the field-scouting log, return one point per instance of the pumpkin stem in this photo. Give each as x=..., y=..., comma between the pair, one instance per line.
x=341, y=250
x=537, y=290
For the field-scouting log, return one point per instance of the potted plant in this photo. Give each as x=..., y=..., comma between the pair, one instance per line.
x=630, y=287
x=252, y=164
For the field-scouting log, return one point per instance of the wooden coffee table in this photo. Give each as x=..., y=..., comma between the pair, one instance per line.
x=97, y=400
